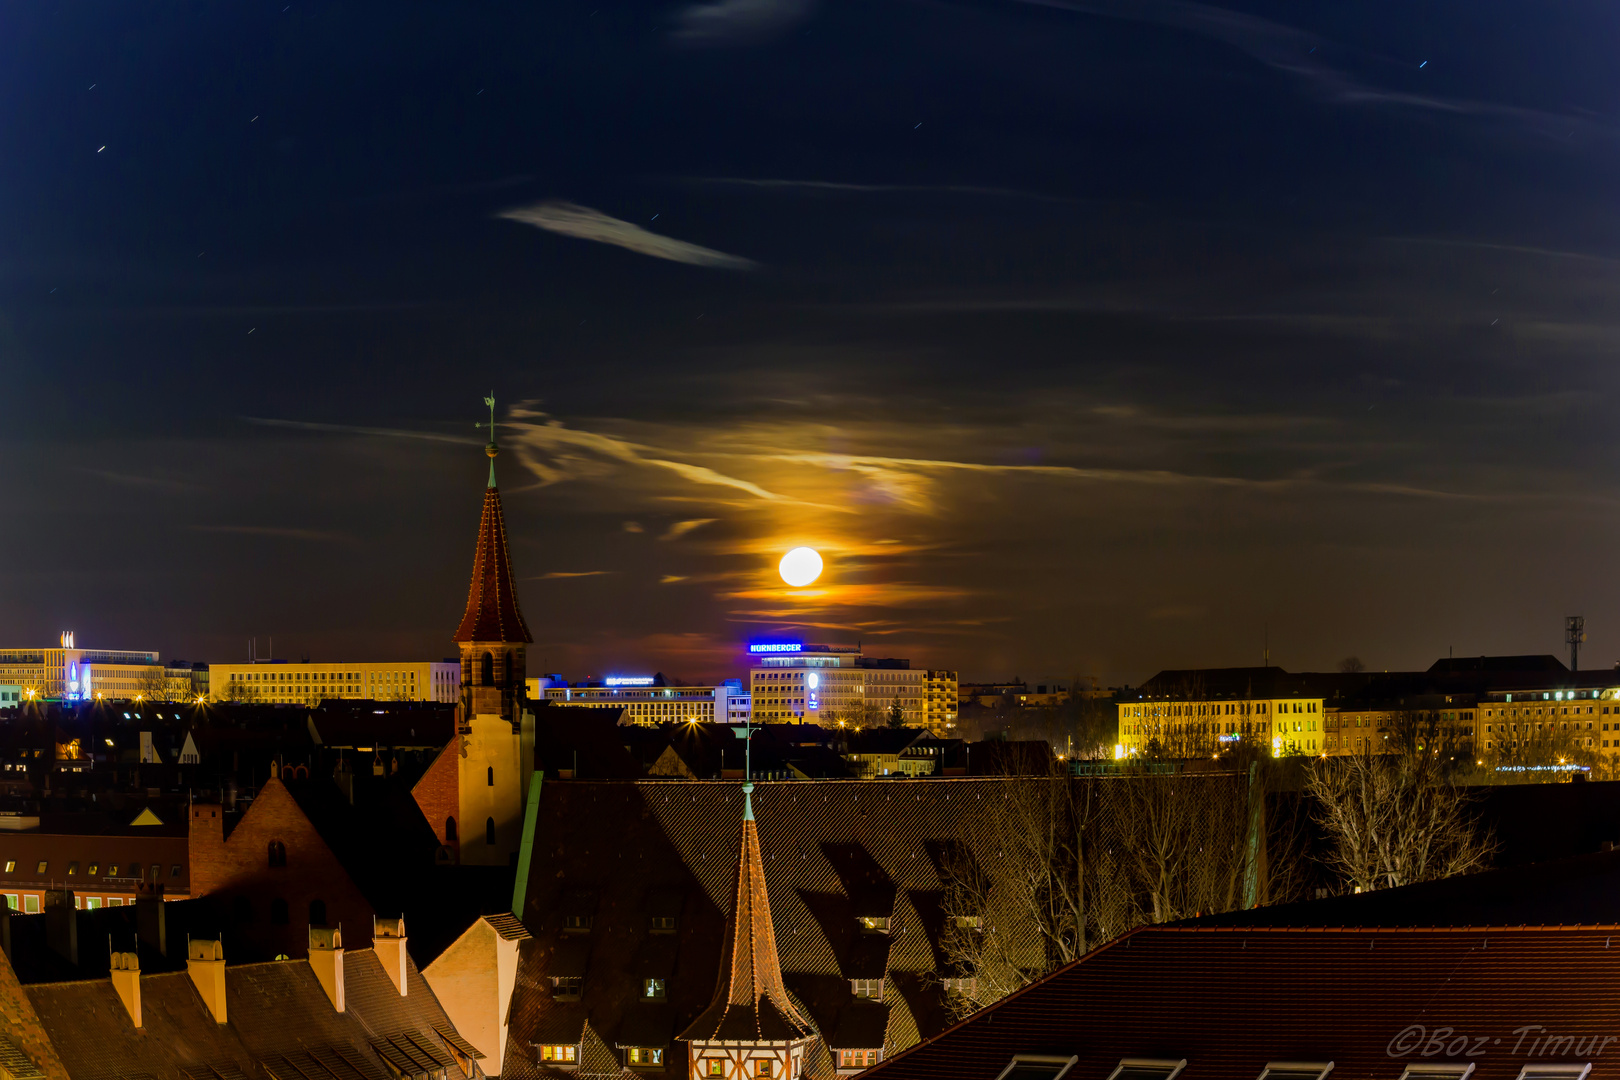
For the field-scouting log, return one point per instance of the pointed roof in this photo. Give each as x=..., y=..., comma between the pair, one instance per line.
x=492, y=605
x=750, y=1004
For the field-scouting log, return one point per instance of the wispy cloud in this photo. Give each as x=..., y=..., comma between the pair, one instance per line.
x=352, y=429
x=557, y=575
x=1298, y=53
x=154, y=483
x=584, y=223
x=681, y=528
x=670, y=579
x=278, y=533
x=738, y=22
x=836, y=187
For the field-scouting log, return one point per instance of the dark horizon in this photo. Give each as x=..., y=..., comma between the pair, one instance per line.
x=1081, y=338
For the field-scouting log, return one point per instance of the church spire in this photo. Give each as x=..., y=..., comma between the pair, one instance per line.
x=492, y=607
x=750, y=1004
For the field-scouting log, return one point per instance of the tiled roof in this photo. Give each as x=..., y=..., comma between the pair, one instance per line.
x=96, y=1039
x=27, y=1049
x=508, y=926
x=1368, y=1000
x=492, y=605
x=281, y=1026
x=827, y=848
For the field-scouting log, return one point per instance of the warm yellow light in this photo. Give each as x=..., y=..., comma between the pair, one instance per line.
x=800, y=567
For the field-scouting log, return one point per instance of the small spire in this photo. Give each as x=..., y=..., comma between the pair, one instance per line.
x=491, y=449
x=748, y=801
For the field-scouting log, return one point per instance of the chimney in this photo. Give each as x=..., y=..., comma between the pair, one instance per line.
x=151, y=924
x=388, y=942
x=126, y=979
x=205, y=963
x=326, y=961
x=62, y=924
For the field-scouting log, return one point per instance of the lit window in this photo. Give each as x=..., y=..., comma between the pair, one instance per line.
x=714, y=1067
x=42, y=867
x=73, y=868
x=653, y=989
x=559, y=1053
x=646, y=1055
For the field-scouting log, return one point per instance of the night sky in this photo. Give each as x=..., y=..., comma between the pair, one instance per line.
x=1081, y=336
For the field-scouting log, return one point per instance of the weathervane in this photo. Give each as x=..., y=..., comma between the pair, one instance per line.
x=492, y=449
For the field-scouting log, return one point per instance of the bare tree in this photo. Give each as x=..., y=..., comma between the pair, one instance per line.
x=1394, y=820
x=1058, y=865
x=153, y=685
x=1352, y=665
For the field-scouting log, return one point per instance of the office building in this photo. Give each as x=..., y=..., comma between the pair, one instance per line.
x=311, y=682
x=828, y=684
x=69, y=673
x=647, y=699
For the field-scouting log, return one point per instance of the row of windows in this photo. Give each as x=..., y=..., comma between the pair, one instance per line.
x=134, y=869
x=28, y=903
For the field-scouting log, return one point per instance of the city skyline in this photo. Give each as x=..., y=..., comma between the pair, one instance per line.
x=1080, y=338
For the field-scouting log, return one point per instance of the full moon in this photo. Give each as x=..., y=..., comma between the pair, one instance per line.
x=800, y=567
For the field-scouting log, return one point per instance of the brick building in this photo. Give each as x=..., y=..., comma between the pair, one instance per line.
x=272, y=874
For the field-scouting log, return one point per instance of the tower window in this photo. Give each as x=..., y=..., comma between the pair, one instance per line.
x=486, y=676
x=278, y=853
x=489, y=830
x=491, y=775
x=449, y=830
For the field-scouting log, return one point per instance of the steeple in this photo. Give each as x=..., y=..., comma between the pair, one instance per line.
x=751, y=1004
x=492, y=607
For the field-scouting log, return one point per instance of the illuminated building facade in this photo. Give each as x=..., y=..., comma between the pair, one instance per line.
x=795, y=681
x=282, y=682
x=940, y=701
x=646, y=700
x=69, y=673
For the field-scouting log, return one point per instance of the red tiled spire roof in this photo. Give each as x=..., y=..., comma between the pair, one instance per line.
x=492, y=605
x=750, y=1002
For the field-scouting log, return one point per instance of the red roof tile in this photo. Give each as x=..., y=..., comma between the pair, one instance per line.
x=492, y=606
x=1369, y=1000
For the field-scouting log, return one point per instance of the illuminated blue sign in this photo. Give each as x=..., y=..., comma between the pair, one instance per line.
x=629, y=680
x=778, y=647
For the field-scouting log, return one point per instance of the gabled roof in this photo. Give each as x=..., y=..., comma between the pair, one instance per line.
x=492, y=606
x=750, y=1003
x=1231, y=1000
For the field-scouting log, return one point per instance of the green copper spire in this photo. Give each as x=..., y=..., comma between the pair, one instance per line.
x=748, y=801
x=491, y=449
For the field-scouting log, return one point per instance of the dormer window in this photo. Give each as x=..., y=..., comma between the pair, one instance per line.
x=867, y=989
x=663, y=924
x=576, y=924
x=646, y=1055
x=654, y=989
x=874, y=924
x=967, y=922
x=858, y=1059
x=559, y=1053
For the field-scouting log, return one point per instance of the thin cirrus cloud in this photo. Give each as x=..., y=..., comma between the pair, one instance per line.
x=738, y=22
x=681, y=528
x=1295, y=52
x=584, y=223
x=557, y=575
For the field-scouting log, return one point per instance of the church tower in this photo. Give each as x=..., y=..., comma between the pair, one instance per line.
x=496, y=735
x=751, y=1028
